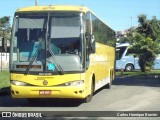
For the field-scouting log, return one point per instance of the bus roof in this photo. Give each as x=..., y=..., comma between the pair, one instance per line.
x=53, y=8
x=58, y=8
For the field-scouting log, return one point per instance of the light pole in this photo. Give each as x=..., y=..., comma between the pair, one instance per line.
x=36, y=2
x=131, y=21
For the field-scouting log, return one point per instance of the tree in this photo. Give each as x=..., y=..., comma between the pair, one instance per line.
x=146, y=42
x=149, y=28
x=5, y=24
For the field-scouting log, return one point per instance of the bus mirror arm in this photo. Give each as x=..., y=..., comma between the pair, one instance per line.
x=92, y=44
x=88, y=39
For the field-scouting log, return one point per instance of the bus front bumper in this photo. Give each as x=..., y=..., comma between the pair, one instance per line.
x=48, y=92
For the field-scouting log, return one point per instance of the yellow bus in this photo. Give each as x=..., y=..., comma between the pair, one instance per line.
x=60, y=52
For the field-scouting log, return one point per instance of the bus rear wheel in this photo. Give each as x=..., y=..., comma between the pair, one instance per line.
x=108, y=86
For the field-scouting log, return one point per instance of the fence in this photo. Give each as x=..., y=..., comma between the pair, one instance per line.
x=4, y=61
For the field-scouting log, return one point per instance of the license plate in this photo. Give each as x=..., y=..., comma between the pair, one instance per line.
x=45, y=92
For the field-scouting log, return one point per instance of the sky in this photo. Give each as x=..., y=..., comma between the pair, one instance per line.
x=118, y=14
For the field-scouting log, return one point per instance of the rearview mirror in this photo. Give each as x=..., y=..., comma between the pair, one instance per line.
x=90, y=41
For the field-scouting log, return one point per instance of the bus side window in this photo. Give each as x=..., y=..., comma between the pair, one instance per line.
x=117, y=56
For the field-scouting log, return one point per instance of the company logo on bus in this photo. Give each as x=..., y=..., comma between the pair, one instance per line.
x=45, y=82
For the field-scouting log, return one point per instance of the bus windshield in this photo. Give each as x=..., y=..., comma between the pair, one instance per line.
x=44, y=41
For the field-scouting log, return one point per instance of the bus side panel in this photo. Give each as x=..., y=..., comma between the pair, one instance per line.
x=101, y=63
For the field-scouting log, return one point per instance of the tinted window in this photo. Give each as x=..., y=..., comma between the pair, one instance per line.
x=103, y=34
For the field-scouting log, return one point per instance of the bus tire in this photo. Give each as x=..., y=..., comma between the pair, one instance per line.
x=89, y=97
x=129, y=67
x=108, y=86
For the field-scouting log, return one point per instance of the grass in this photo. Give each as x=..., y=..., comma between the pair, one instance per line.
x=4, y=79
x=139, y=73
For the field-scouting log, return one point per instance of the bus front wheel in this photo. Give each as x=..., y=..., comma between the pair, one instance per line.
x=89, y=97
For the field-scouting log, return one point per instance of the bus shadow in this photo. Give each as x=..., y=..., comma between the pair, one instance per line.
x=56, y=102
x=149, y=81
x=7, y=101
x=4, y=91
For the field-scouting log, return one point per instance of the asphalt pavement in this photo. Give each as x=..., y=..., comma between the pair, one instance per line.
x=127, y=94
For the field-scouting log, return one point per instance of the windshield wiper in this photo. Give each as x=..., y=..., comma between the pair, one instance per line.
x=60, y=71
x=32, y=60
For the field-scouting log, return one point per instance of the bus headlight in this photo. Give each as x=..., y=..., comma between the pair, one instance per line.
x=73, y=83
x=18, y=83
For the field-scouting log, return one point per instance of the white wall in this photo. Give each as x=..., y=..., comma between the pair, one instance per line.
x=4, y=57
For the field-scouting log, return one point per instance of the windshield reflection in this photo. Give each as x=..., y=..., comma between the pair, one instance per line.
x=34, y=43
